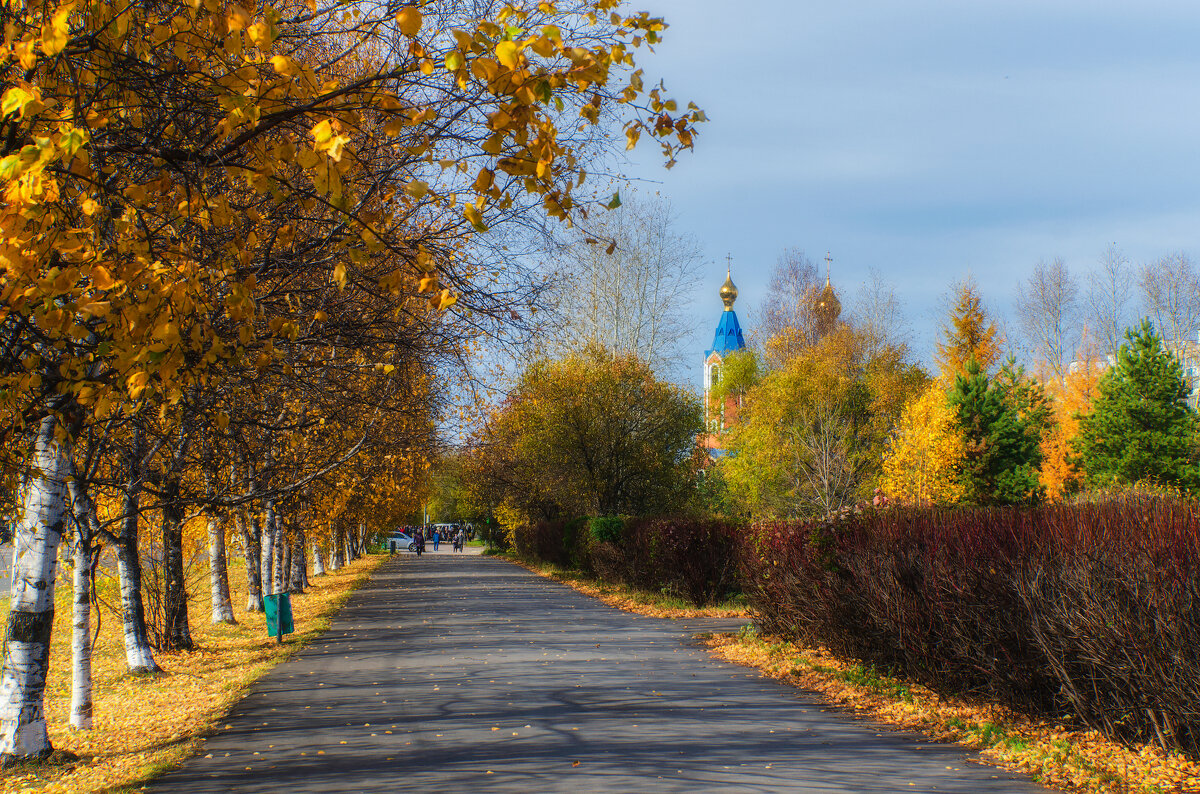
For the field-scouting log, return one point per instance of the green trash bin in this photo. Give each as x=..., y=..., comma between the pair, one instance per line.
x=279, y=615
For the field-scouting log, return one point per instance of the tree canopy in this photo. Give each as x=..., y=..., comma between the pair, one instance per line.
x=810, y=435
x=967, y=333
x=592, y=433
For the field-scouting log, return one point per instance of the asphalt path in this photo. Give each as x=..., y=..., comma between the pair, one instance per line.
x=464, y=673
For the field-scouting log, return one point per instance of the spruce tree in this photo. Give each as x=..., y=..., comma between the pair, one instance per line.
x=1001, y=447
x=1140, y=428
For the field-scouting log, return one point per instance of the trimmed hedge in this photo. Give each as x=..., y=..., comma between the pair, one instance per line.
x=693, y=559
x=1089, y=609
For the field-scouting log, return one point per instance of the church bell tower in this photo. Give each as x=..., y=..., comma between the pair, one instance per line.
x=719, y=414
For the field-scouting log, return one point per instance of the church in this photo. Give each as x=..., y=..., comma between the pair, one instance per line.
x=822, y=311
x=718, y=415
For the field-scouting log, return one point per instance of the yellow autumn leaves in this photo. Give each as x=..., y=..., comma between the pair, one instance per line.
x=922, y=461
x=185, y=182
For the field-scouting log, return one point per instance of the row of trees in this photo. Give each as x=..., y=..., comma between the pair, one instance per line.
x=1063, y=316
x=232, y=240
x=830, y=416
x=996, y=436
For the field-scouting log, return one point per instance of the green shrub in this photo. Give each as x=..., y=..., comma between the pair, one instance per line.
x=606, y=529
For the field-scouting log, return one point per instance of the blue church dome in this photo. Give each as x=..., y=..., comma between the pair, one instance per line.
x=729, y=332
x=729, y=335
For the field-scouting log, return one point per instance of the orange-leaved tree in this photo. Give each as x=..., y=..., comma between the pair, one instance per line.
x=1069, y=399
x=968, y=332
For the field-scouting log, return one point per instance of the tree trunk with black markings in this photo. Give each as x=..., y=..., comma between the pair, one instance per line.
x=31, y=616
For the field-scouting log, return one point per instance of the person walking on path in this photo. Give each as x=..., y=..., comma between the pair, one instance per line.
x=419, y=543
x=437, y=538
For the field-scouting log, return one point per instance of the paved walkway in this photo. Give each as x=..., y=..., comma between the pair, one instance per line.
x=466, y=673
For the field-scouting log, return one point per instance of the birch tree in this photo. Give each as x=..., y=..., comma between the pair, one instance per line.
x=139, y=655
x=218, y=572
x=1108, y=300
x=787, y=324
x=1047, y=305
x=1171, y=290
x=31, y=613
x=83, y=564
x=625, y=283
x=878, y=314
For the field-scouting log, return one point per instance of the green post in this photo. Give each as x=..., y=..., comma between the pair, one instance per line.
x=278, y=609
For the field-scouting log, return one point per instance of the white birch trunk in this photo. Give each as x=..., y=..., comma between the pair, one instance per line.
x=81, y=609
x=285, y=546
x=318, y=563
x=277, y=572
x=298, y=565
x=268, y=550
x=81, y=640
x=254, y=584
x=218, y=573
x=139, y=656
x=336, y=550
x=31, y=615
x=177, y=633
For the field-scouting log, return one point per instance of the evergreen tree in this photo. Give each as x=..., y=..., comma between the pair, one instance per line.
x=968, y=333
x=1027, y=398
x=1140, y=428
x=1000, y=446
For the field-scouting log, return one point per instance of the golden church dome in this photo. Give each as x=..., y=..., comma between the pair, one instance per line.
x=728, y=292
x=828, y=304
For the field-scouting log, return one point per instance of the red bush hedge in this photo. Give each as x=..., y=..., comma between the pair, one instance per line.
x=690, y=558
x=1088, y=609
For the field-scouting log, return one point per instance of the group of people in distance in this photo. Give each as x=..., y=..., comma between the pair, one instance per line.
x=457, y=535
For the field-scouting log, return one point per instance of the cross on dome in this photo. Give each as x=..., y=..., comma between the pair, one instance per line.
x=728, y=291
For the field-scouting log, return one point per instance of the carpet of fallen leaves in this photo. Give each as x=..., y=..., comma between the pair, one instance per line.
x=146, y=724
x=1067, y=758
x=642, y=602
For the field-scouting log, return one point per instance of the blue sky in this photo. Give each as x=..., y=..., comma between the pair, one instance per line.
x=929, y=140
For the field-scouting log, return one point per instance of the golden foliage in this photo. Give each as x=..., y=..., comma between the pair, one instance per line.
x=967, y=333
x=591, y=433
x=164, y=166
x=921, y=465
x=810, y=434
x=1066, y=758
x=1070, y=399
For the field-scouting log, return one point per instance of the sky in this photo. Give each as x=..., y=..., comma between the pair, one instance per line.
x=928, y=140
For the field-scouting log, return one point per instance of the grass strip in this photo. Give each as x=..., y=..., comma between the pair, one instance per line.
x=146, y=725
x=1054, y=754
x=643, y=602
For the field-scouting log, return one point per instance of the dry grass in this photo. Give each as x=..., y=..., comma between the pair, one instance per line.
x=1070, y=759
x=642, y=602
x=147, y=724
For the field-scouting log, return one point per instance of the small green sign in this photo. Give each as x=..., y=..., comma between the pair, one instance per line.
x=279, y=610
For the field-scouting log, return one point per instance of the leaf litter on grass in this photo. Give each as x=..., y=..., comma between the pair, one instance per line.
x=146, y=724
x=1066, y=757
